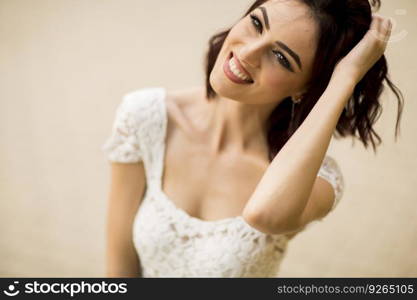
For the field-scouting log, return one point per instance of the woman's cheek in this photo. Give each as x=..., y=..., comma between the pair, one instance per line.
x=278, y=81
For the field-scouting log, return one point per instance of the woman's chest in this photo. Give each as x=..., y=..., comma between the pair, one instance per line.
x=205, y=186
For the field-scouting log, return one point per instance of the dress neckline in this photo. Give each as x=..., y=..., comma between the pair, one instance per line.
x=169, y=201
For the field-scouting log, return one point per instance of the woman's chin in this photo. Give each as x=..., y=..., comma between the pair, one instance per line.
x=217, y=84
x=221, y=86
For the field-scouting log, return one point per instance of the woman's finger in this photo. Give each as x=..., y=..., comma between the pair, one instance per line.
x=376, y=21
x=381, y=27
x=374, y=28
x=387, y=27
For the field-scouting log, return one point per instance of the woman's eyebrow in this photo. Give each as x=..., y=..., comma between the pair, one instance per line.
x=279, y=43
x=264, y=13
x=290, y=52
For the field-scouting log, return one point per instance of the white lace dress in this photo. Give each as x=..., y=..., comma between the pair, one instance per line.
x=170, y=242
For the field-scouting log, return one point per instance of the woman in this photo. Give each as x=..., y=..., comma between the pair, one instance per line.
x=224, y=175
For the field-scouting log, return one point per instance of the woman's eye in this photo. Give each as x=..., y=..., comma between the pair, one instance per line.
x=256, y=23
x=283, y=60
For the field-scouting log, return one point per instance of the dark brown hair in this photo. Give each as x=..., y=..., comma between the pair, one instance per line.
x=342, y=24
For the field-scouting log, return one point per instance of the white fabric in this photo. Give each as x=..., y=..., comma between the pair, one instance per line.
x=169, y=242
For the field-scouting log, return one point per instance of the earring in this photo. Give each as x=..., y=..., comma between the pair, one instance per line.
x=294, y=102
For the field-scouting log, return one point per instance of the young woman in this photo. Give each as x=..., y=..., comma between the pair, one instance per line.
x=213, y=181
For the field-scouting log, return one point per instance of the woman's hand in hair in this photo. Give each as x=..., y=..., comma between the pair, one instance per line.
x=367, y=52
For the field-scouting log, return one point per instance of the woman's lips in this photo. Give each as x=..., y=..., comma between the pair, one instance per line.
x=240, y=67
x=231, y=75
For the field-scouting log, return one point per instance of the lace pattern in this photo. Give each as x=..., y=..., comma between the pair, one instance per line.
x=171, y=244
x=123, y=144
x=331, y=171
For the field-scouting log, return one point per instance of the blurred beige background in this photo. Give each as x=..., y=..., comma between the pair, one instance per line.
x=64, y=66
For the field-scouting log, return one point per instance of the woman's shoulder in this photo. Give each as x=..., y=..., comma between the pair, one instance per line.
x=185, y=98
x=185, y=106
x=135, y=114
x=142, y=98
x=139, y=121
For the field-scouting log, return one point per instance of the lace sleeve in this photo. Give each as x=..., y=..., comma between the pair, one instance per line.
x=123, y=143
x=331, y=171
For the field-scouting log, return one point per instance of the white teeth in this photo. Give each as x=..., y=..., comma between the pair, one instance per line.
x=236, y=71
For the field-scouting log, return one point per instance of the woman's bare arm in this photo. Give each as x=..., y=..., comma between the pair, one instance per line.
x=127, y=187
x=283, y=192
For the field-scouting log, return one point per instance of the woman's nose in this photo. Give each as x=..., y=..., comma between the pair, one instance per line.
x=251, y=53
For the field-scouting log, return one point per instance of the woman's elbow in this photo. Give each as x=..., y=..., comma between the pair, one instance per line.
x=270, y=225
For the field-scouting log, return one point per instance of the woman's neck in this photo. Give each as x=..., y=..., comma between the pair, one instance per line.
x=236, y=125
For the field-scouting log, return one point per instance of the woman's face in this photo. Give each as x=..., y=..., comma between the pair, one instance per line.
x=275, y=44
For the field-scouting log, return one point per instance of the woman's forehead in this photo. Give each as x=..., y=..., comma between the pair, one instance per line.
x=283, y=12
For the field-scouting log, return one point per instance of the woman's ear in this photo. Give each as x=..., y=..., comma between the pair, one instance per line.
x=300, y=94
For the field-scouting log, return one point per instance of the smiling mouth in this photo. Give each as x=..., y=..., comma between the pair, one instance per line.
x=235, y=71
